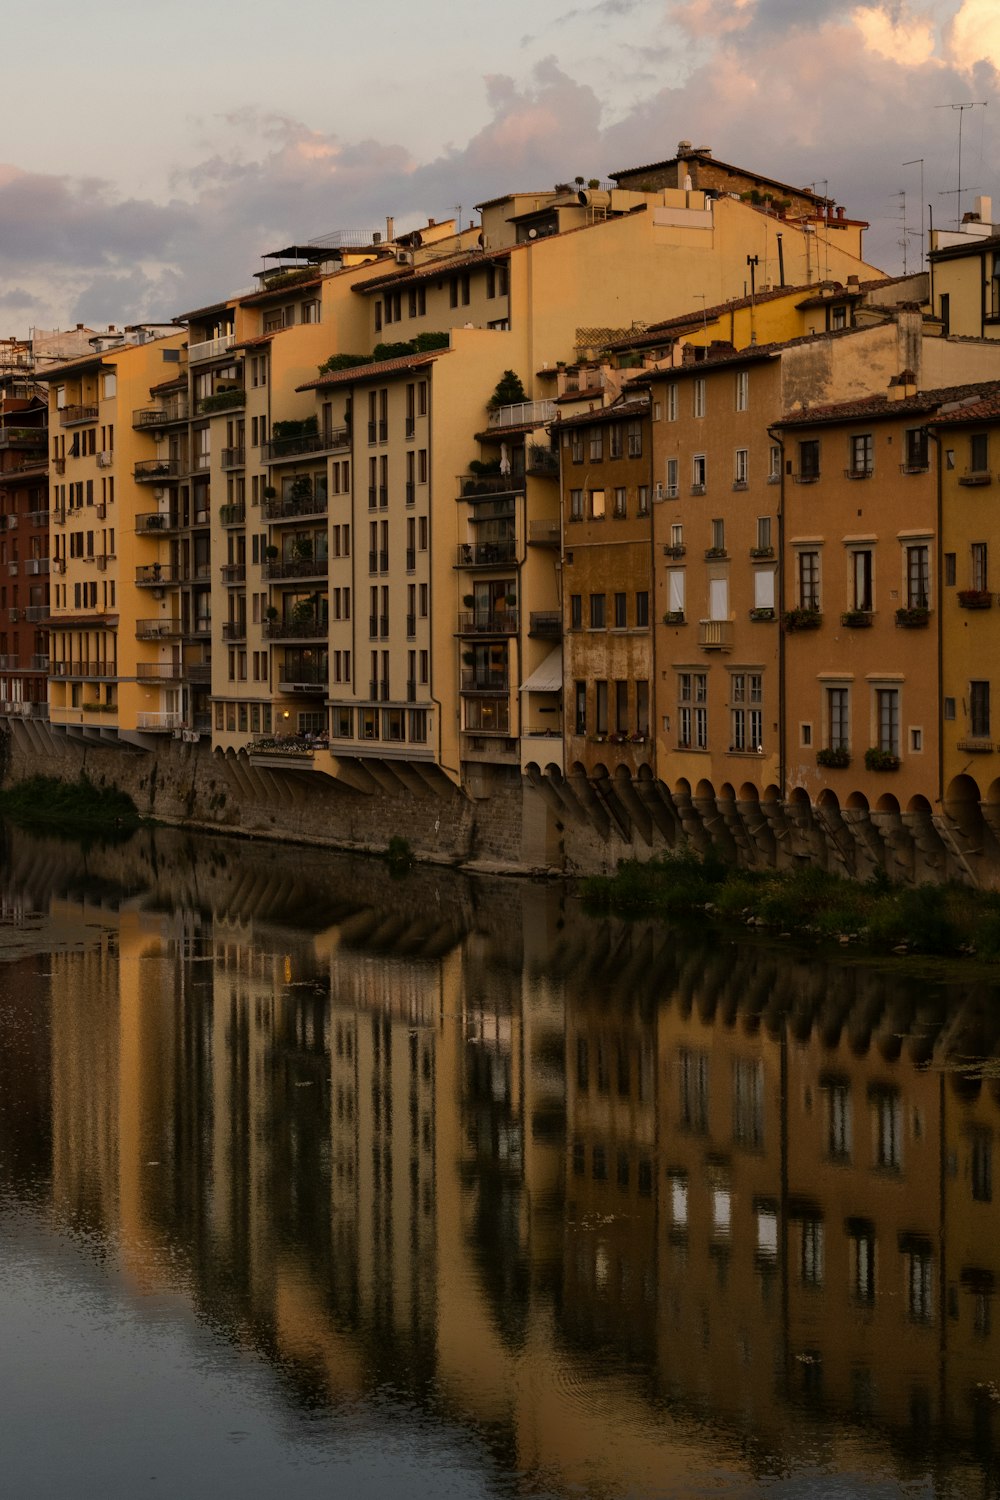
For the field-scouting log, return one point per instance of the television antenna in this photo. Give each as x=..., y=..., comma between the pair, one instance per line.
x=918, y=161
x=961, y=108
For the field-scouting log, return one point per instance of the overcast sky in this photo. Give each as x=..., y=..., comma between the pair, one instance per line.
x=154, y=153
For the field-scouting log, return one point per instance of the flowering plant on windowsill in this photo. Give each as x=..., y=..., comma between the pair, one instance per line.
x=674, y=617
x=881, y=760
x=801, y=619
x=912, y=617
x=836, y=756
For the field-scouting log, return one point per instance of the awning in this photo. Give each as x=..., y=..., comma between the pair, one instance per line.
x=548, y=677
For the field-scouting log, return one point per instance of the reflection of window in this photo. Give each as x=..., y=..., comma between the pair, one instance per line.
x=919, y=1269
x=767, y=1234
x=811, y=1247
x=748, y=1102
x=722, y=1212
x=982, y=1169
x=862, y=1260
x=679, y=1201
x=888, y=1110
x=694, y=1089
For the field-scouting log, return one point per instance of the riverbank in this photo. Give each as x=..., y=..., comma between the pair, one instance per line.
x=947, y=920
x=69, y=806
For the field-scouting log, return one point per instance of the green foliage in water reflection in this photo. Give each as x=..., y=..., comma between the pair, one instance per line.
x=808, y=903
x=72, y=806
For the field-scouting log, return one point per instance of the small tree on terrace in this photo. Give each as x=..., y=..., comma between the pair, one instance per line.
x=509, y=389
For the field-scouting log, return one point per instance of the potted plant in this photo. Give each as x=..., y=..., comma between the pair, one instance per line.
x=881, y=760
x=856, y=619
x=270, y=613
x=835, y=757
x=270, y=493
x=510, y=598
x=302, y=549
x=469, y=600
x=912, y=617
x=801, y=619
x=975, y=598
x=271, y=553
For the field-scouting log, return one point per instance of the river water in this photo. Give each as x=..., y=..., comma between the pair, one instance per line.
x=318, y=1182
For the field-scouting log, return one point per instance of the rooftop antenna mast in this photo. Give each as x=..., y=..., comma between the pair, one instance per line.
x=918, y=161
x=974, y=104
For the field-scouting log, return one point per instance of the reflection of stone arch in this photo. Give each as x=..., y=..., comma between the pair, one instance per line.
x=965, y=1085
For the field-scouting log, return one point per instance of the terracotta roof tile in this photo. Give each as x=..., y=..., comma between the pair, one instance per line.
x=373, y=371
x=407, y=275
x=619, y=410
x=921, y=403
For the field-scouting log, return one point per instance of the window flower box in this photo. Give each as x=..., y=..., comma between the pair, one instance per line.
x=912, y=617
x=762, y=612
x=801, y=619
x=856, y=619
x=676, y=551
x=835, y=757
x=975, y=598
x=674, y=617
x=761, y=551
x=881, y=760
x=711, y=552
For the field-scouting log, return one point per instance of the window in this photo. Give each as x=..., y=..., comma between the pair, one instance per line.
x=838, y=731
x=699, y=474
x=675, y=591
x=576, y=505
x=621, y=508
x=718, y=536
x=621, y=611
x=774, y=464
x=763, y=588
x=979, y=710
x=979, y=453
x=887, y=719
x=918, y=577
x=615, y=440
x=580, y=707
x=601, y=706
x=809, y=460
x=763, y=533
x=916, y=450
x=642, y=608
x=861, y=580
x=633, y=434
x=109, y=385
x=692, y=694
x=699, y=397
x=980, y=568
x=862, y=455
x=741, y=468
x=742, y=390
x=950, y=569
x=597, y=505
x=576, y=446
x=597, y=612
x=838, y=317
x=596, y=444
x=673, y=482
x=621, y=707
x=746, y=717
x=807, y=577
x=672, y=403
x=642, y=500
x=575, y=611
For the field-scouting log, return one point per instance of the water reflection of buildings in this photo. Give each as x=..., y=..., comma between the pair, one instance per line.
x=608, y=1194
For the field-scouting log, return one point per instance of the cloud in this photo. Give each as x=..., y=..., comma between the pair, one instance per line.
x=843, y=95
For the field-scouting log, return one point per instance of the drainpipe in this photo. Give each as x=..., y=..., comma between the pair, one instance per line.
x=939, y=571
x=774, y=433
x=430, y=571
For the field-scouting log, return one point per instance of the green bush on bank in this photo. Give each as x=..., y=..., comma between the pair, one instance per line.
x=44, y=800
x=932, y=919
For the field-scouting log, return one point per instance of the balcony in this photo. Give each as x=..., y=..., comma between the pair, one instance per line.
x=90, y=671
x=499, y=749
x=36, y=566
x=157, y=630
x=36, y=613
x=23, y=437
x=233, y=573
x=156, y=575
x=233, y=458
x=233, y=515
x=479, y=486
x=474, y=681
x=150, y=418
x=234, y=630
x=39, y=662
x=541, y=461
x=487, y=554
x=306, y=628
x=295, y=567
x=286, y=449
x=210, y=348
x=485, y=622
x=545, y=623
x=159, y=723
x=715, y=635
x=227, y=399
x=156, y=470
x=72, y=416
x=157, y=671
x=197, y=630
x=198, y=674
x=287, y=508
x=303, y=676
x=522, y=414
x=39, y=518
x=544, y=533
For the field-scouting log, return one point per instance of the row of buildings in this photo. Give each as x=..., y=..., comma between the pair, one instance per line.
x=571, y=493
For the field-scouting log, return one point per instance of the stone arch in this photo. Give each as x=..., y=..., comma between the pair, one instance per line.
x=749, y=793
x=704, y=789
x=682, y=786
x=533, y=771
x=553, y=771
x=645, y=772
x=887, y=803
x=858, y=802
x=828, y=799
x=961, y=804
x=799, y=798
x=919, y=804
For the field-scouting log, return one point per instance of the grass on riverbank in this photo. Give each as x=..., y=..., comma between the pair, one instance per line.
x=70, y=806
x=807, y=903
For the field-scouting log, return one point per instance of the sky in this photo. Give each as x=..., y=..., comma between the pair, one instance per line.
x=153, y=154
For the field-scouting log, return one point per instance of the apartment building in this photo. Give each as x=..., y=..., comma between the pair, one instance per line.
x=24, y=536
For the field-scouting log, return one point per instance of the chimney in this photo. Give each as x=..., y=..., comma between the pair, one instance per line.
x=432, y=223
x=389, y=228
